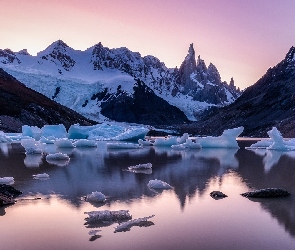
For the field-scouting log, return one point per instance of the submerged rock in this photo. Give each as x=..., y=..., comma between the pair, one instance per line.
x=266, y=193
x=7, y=193
x=217, y=195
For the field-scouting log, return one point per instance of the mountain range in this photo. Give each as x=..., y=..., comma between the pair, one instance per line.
x=267, y=103
x=121, y=85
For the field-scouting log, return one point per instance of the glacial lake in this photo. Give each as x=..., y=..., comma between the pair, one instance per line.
x=185, y=217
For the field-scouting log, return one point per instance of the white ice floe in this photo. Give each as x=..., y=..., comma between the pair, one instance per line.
x=125, y=226
x=264, y=143
x=107, y=215
x=122, y=145
x=6, y=180
x=64, y=143
x=187, y=144
x=95, y=197
x=226, y=140
x=141, y=166
x=85, y=143
x=32, y=146
x=166, y=142
x=145, y=142
x=43, y=176
x=158, y=184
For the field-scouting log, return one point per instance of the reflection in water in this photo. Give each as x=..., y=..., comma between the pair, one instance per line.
x=192, y=173
x=5, y=147
x=33, y=160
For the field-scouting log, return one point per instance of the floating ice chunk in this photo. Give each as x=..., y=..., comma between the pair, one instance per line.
x=31, y=131
x=166, y=142
x=226, y=140
x=48, y=140
x=4, y=138
x=122, y=145
x=107, y=215
x=141, y=166
x=188, y=144
x=144, y=142
x=32, y=146
x=85, y=143
x=183, y=138
x=58, y=131
x=6, y=180
x=64, y=143
x=158, y=184
x=126, y=226
x=43, y=176
x=106, y=131
x=95, y=197
x=94, y=232
x=57, y=157
x=278, y=141
x=264, y=143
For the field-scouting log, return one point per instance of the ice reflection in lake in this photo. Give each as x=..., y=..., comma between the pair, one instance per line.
x=186, y=217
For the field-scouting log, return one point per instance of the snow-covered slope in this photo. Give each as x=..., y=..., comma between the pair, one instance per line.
x=73, y=78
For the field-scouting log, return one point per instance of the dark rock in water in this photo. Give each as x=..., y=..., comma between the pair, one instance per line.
x=7, y=193
x=266, y=193
x=217, y=195
x=9, y=190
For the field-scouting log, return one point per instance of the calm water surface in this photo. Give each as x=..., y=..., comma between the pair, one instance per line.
x=185, y=217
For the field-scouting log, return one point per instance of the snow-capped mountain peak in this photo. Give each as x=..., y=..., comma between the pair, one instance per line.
x=73, y=77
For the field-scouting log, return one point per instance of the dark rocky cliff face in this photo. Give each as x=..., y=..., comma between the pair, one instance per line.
x=269, y=102
x=23, y=106
x=143, y=107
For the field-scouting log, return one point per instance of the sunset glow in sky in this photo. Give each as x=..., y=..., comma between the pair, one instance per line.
x=241, y=38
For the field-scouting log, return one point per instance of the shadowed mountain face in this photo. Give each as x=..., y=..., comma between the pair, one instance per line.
x=23, y=106
x=269, y=102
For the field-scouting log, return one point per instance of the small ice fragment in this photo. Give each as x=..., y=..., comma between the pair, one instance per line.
x=57, y=157
x=183, y=138
x=167, y=142
x=7, y=180
x=93, y=232
x=32, y=146
x=141, y=166
x=126, y=226
x=123, y=145
x=95, y=197
x=64, y=143
x=158, y=184
x=48, y=140
x=107, y=215
x=43, y=176
x=145, y=143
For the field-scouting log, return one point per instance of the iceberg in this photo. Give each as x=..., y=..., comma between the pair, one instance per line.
x=31, y=131
x=4, y=138
x=95, y=197
x=144, y=142
x=85, y=143
x=107, y=131
x=58, y=131
x=48, y=140
x=183, y=138
x=226, y=140
x=158, y=184
x=57, y=157
x=126, y=226
x=32, y=146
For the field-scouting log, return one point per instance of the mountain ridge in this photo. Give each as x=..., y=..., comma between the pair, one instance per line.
x=57, y=67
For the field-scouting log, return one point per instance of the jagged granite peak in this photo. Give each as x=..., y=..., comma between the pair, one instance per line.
x=58, y=53
x=7, y=56
x=290, y=57
x=213, y=74
x=24, y=52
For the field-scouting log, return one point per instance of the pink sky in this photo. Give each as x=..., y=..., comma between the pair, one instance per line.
x=241, y=38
